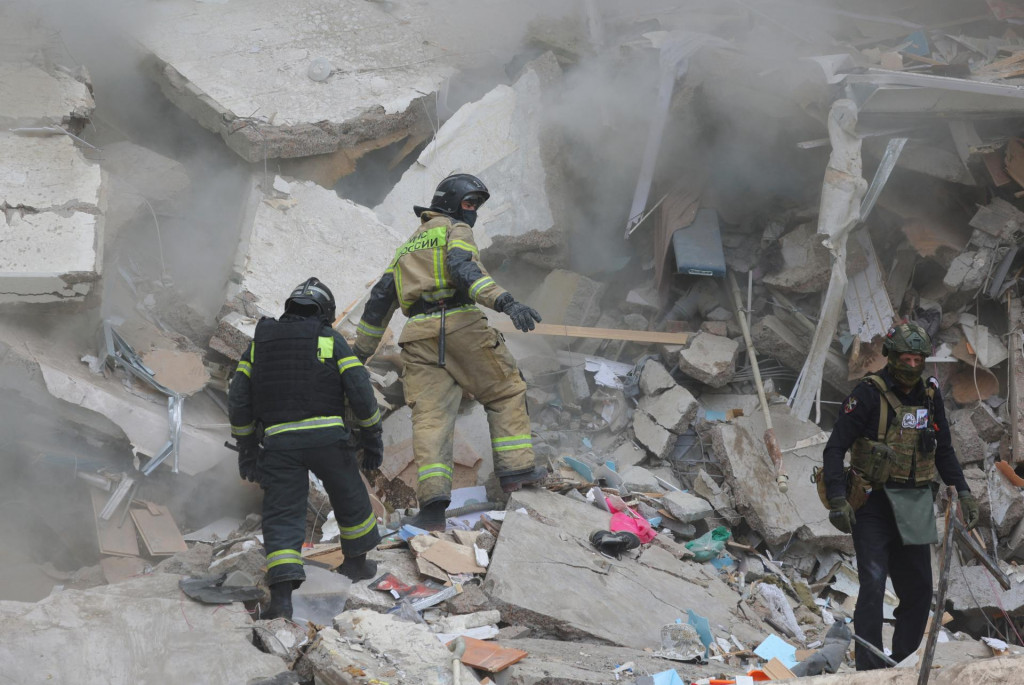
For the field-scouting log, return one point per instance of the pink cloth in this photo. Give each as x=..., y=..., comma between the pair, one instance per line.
x=631, y=521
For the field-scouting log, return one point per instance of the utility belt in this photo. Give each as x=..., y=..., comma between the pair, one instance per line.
x=421, y=306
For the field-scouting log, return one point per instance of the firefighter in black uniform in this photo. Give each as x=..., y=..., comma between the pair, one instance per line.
x=894, y=425
x=290, y=390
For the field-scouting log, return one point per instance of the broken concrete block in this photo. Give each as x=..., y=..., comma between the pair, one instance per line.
x=55, y=201
x=969, y=270
x=317, y=226
x=573, y=387
x=990, y=428
x=719, y=328
x=635, y=322
x=646, y=300
x=626, y=455
x=412, y=645
x=773, y=338
x=32, y=97
x=710, y=359
x=969, y=446
x=210, y=645
x=516, y=153
x=639, y=479
x=540, y=575
x=718, y=496
x=675, y=409
x=656, y=438
x=654, y=379
x=280, y=637
x=686, y=507
x=1006, y=501
x=749, y=471
x=334, y=661
x=568, y=298
x=807, y=264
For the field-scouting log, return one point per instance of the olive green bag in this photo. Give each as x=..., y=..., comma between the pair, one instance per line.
x=857, y=488
x=915, y=515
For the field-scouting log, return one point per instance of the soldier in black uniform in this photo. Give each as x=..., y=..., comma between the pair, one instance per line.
x=290, y=388
x=894, y=425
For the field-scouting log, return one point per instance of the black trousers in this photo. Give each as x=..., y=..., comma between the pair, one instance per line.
x=881, y=552
x=285, y=482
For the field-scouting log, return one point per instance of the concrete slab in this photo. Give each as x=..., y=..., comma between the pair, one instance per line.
x=772, y=337
x=751, y=475
x=139, y=176
x=137, y=631
x=53, y=201
x=545, y=574
x=242, y=69
x=311, y=232
x=675, y=409
x=656, y=438
x=806, y=263
x=503, y=140
x=31, y=97
x=654, y=379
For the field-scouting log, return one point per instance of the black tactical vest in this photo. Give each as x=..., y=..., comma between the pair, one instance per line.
x=290, y=381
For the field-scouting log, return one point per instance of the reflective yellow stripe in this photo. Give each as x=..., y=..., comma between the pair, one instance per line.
x=353, y=532
x=243, y=430
x=463, y=245
x=346, y=363
x=435, y=470
x=436, y=295
x=244, y=367
x=372, y=421
x=324, y=347
x=479, y=285
x=398, y=288
x=437, y=315
x=306, y=424
x=512, y=442
x=283, y=556
x=370, y=329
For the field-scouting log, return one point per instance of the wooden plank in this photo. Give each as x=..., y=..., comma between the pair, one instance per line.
x=994, y=165
x=1015, y=160
x=488, y=656
x=159, y=533
x=119, y=540
x=652, y=337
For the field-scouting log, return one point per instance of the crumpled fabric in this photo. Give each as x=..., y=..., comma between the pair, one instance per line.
x=630, y=520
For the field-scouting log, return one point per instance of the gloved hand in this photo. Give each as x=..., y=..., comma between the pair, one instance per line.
x=372, y=442
x=249, y=458
x=523, y=316
x=969, y=505
x=362, y=356
x=840, y=514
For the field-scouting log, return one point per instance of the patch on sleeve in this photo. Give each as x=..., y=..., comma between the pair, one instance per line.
x=850, y=405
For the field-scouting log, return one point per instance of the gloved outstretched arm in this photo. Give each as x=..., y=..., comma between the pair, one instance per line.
x=372, y=443
x=524, y=317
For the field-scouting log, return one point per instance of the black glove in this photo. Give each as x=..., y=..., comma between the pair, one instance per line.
x=523, y=316
x=969, y=505
x=249, y=453
x=372, y=442
x=840, y=514
x=362, y=356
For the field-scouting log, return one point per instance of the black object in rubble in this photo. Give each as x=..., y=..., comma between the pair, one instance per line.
x=614, y=544
x=211, y=590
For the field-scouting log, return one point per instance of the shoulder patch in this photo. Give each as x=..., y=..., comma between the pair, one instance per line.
x=850, y=404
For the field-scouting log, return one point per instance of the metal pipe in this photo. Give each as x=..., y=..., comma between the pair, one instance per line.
x=874, y=650
x=770, y=441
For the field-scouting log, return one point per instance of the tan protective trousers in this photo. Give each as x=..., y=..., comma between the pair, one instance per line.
x=477, y=360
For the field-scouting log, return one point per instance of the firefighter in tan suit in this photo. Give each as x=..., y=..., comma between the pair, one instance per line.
x=437, y=279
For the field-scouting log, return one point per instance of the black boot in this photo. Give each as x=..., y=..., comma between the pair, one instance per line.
x=431, y=517
x=358, y=568
x=516, y=482
x=280, y=601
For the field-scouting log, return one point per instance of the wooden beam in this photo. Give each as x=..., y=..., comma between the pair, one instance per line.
x=652, y=337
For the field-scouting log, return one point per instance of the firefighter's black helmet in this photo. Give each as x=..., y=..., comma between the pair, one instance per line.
x=311, y=298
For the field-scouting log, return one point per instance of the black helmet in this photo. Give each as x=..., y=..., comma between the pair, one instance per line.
x=311, y=298
x=452, y=191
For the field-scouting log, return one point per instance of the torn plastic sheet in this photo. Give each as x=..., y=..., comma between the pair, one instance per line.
x=120, y=354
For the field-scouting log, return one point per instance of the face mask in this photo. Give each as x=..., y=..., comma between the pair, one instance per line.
x=468, y=215
x=905, y=374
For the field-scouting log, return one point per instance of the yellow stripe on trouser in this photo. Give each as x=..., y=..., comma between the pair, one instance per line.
x=355, y=532
x=284, y=556
x=433, y=470
x=370, y=329
x=512, y=442
x=480, y=363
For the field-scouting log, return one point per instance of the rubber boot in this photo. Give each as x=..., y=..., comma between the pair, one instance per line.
x=513, y=483
x=280, y=601
x=358, y=568
x=431, y=517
